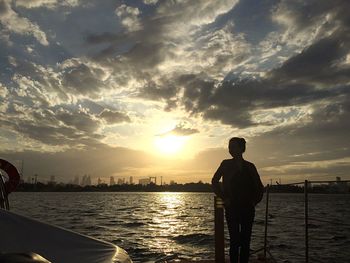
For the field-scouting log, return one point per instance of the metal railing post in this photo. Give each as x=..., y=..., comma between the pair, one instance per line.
x=219, y=230
x=4, y=203
x=306, y=217
x=266, y=218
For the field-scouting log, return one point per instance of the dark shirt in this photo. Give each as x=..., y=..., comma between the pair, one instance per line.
x=241, y=186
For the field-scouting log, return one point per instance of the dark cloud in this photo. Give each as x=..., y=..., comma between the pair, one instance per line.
x=80, y=120
x=83, y=79
x=233, y=102
x=112, y=117
x=154, y=91
x=303, y=14
x=315, y=74
x=197, y=92
x=319, y=63
x=181, y=130
x=55, y=126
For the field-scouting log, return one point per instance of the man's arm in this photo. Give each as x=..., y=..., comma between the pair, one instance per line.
x=215, y=181
x=259, y=187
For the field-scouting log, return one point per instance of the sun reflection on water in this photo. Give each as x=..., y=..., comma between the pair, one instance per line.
x=172, y=200
x=167, y=221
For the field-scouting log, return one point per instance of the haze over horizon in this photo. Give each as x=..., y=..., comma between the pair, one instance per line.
x=156, y=88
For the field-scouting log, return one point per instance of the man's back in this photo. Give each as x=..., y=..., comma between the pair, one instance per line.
x=241, y=183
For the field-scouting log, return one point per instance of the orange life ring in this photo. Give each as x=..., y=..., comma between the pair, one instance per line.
x=13, y=175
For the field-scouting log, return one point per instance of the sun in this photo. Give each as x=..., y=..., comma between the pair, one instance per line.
x=169, y=144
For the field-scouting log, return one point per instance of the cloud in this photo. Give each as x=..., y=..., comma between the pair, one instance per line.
x=181, y=130
x=316, y=74
x=152, y=90
x=36, y=3
x=66, y=81
x=129, y=17
x=50, y=4
x=150, y=2
x=52, y=126
x=112, y=117
x=189, y=13
x=160, y=56
x=15, y=23
x=320, y=63
x=82, y=78
x=3, y=91
x=81, y=120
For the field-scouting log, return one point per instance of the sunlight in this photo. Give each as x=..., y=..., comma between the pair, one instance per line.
x=169, y=144
x=167, y=220
x=171, y=200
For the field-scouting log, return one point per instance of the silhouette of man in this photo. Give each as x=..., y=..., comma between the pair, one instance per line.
x=242, y=190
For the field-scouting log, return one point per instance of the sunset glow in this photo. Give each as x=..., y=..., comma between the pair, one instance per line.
x=169, y=144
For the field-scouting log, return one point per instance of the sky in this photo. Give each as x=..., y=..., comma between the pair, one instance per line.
x=157, y=88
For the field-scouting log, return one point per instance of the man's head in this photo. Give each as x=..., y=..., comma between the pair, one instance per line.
x=236, y=146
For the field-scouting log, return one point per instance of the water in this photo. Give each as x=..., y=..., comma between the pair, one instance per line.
x=151, y=226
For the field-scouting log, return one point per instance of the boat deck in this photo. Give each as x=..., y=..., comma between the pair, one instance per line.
x=253, y=260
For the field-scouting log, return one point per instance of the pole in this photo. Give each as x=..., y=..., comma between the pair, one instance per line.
x=266, y=218
x=306, y=207
x=2, y=192
x=22, y=169
x=219, y=230
x=4, y=201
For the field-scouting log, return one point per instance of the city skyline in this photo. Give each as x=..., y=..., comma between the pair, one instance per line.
x=157, y=88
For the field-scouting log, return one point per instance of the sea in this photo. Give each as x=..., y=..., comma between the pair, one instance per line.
x=156, y=227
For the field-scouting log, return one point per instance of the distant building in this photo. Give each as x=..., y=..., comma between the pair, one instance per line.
x=154, y=178
x=121, y=181
x=99, y=181
x=342, y=186
x=29, y=180
x=85, y=180
x=172, y=182
x=88, y=180
x=339, y=186
x=145, y=181
x=131, y=180
x=52, y=180
x=76, y=180
x=111, y=181
x=35, y=178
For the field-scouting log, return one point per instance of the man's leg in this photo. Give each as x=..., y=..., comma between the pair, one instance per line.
x=233, y=227
x=246, y=232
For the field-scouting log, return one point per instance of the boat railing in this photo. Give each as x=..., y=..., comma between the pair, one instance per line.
x=4, y=201
x=305, y=186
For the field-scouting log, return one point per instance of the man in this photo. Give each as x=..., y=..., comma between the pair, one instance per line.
x=242, y=190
